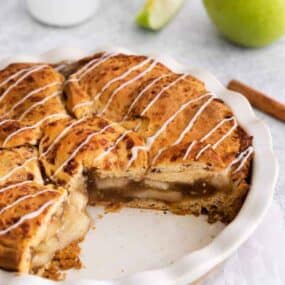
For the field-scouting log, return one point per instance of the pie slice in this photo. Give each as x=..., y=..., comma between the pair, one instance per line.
x=18, y=165
x=76, y=152
x=36, y=220
x=105, y=83
x=30, y=96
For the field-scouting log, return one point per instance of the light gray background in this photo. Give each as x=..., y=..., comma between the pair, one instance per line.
x=190, y=38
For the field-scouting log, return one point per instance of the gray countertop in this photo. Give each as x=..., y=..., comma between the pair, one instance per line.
x=190, y=38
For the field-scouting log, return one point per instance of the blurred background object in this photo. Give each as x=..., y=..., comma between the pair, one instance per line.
x=250, y=23
x=155, y=14
x=62, y=12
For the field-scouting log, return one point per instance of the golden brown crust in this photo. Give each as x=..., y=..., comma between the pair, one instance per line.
x=25, y=208
x=85, y=84
x=30, y=95
x=19, y=164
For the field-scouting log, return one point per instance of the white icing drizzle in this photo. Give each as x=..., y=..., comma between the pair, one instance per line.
x=74, y=77
x=153, y=82
x=7, y=121
x=83, y=104
x=140, y=75
x=63, y=133
x=216, y=144
x=88, y=67
x=23, y=198
x=122, y=76
x=219, y=141
x=158, y=155
x=30, y=71
x=190, y=147
x=195, y=117
x=113, y=146
x=242, y=158
x=207, y=135
x=18, y=73
x=7, y=188
x=136, y=128
x=161, y=92
x=30, y=94
x=202, y=151
x=56, y=115
x=150, y=140
x=41, y=102
x=26, y=217
x=61, y=66
x=15, y=169
x=74, y=153
x=94, y=63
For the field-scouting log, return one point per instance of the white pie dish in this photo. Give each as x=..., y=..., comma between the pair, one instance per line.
x=150, y=267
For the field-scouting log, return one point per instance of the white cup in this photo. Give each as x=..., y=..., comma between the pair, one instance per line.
x=62, y=12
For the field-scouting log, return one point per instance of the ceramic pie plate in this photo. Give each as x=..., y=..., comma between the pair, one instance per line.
x=146, y=247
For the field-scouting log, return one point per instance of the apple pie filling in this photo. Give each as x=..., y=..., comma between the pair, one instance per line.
x=69, y=223
x=124, y=190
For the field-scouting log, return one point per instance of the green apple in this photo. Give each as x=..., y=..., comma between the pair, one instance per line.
x=157, y=13
x=250, y=23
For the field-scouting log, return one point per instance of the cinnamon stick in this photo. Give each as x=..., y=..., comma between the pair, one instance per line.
x=259, y=100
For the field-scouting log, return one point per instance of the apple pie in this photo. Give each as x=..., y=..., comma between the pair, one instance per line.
x=115, y=129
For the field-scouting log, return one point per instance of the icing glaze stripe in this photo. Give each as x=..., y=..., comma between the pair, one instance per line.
x=202, y=150
x=7, y=121
x=28, y=73
x=242, y=158
x=77, y=76
x=83, y=104
x=18, y=73
x=7, y=188
x=150, y=140
x=190, y=147
x=158, y=155
x=122, y=76
x=74, y=153
x=63, y=133
x=89, y=64
x=30, y=94
x=56, y=115
x=215, y=145
x=113, y=146
x=74, y=76
x=194, y=119
x=153, y=82
x=140, y=75
x=23, y=198
x=41, y=102
x=161, y=92
x=190, y=124
x=219, y=141
x=15, y=169
x=215, y=128
x=26, y=217
x=100, y=60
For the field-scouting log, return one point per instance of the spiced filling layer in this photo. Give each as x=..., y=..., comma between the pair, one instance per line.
x=125, y=190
